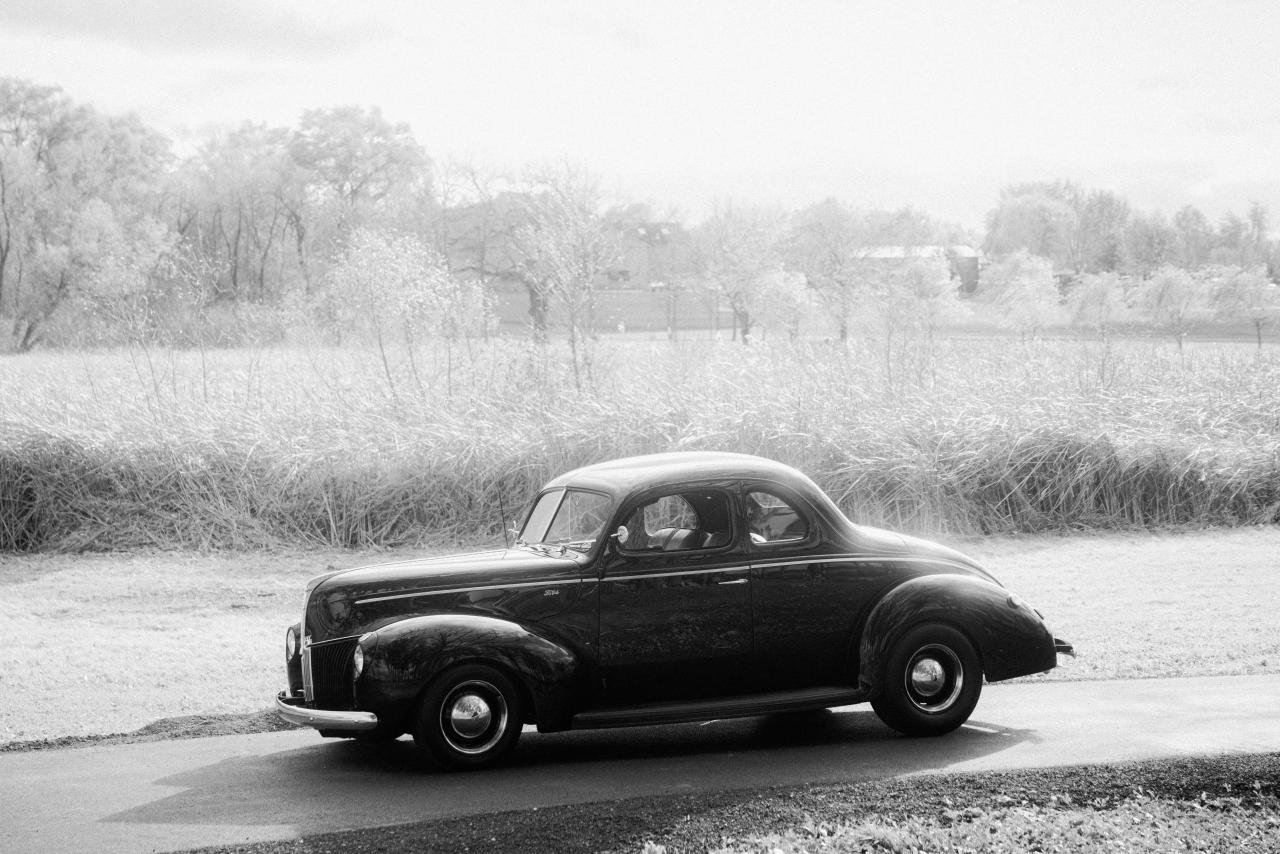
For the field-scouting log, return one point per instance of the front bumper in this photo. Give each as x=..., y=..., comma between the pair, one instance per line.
x=1061, y=647
x=293, y=710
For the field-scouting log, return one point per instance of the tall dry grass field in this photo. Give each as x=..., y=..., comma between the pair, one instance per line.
x=245, y=448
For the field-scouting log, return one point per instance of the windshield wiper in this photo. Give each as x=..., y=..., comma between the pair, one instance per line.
x=579, y=546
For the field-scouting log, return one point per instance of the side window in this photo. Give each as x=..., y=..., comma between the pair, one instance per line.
x=669, y=511
x=682, y=521
x=772, y=520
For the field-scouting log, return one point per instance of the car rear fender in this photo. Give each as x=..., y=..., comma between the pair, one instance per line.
x=1011, y=638
x=403, y=657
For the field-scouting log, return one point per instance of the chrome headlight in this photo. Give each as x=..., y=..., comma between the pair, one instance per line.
x=357, y=657
x=290, y=643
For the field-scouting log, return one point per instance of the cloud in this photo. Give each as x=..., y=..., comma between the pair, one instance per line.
x=179, y=27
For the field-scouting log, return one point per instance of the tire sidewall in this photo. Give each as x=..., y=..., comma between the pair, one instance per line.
x=894, y=706
x=430, y=738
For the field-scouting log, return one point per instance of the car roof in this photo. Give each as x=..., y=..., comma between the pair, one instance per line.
x=631, y=474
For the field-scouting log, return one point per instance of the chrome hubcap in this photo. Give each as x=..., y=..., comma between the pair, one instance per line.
x=934, y=678
x=470, y=715
x=473, y=717
x=928, y=677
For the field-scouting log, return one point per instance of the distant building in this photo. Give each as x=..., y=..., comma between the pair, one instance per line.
x=650, y=254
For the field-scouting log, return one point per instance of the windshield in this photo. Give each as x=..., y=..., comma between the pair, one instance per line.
x=570, y=518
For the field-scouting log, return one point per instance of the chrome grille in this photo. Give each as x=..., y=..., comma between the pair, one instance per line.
x=327, y=673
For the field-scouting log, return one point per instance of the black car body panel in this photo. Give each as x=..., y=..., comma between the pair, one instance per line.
x=406, y=655
x=716, y=582
x=1011, y=638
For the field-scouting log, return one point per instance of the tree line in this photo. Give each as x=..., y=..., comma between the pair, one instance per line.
x=344, y=223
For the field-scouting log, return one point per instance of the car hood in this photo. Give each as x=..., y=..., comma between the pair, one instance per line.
x=889, y=542
x=336, y=601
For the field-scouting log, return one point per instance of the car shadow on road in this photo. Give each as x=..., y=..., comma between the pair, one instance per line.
x=335, y=785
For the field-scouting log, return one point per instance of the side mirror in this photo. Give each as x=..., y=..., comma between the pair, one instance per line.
x=622, y=534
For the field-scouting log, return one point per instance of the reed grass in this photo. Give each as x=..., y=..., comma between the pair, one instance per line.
x=261, y=447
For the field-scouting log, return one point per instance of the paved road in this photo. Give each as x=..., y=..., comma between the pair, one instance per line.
x=163, y=796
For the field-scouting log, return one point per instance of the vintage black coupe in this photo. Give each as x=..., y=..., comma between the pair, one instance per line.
x=657, y=589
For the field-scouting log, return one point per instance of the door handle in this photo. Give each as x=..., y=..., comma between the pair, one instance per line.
x=735, y=581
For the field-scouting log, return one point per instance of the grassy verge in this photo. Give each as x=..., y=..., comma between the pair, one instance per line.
x=1215, y=804
x=108, y=643
x=250, y=449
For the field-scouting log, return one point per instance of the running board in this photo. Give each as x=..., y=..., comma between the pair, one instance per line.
x=726, y=707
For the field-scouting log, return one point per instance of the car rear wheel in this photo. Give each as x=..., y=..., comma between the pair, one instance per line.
x=931, y=681
x=470, y=717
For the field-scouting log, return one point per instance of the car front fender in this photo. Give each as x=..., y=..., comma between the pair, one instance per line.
x=1011, y=638
x=402, y=658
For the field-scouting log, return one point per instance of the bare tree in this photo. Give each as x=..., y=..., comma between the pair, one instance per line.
x=560, y=251
x=738, y=251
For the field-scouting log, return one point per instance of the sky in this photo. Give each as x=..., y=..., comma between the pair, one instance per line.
x=687, y=104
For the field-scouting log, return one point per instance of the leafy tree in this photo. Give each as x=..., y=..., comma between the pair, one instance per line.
x=358, y=169
x=356, y=154
x=237, y=196
x=1172, y=301
x=1039, y=218
x=1102, y=221
x=1022, y=289
x=77, y=191
x=906, y=227
x=1243, y=241
x=1150, y=243
x=1247, y=296
x=1077, y=229
x=1098, y=303
x=34, y=122
x=1195, y=237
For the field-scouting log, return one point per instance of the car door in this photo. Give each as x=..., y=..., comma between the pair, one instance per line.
x=809, y=594
x=675, y=600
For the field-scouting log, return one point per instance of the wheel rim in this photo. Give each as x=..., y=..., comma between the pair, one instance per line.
x=473, y=716
x=934, y=678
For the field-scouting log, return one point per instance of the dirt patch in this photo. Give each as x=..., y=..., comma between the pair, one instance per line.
x=187, y=726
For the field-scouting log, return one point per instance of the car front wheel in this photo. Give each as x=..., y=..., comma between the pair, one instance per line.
x=931, y=681
x=470, y=717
